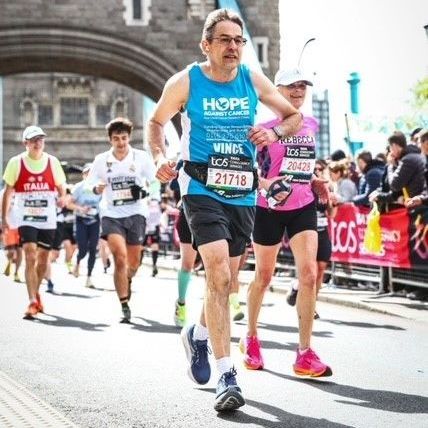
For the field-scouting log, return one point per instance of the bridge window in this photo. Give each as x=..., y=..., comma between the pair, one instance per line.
x=200, y=8
x=45, y=115
x=120, y=108
x=103, y=114
x=137, y=12
x=261, y=47
x=74, y=111
x=28, y=112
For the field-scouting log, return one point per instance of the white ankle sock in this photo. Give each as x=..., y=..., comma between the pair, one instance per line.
x=200, y=332
x=224, y=365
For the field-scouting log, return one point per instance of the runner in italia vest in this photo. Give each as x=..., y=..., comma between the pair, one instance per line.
x=215, y=124
x=35, y=196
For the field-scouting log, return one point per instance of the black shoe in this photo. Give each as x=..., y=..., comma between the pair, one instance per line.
x=126, y=312
x=228, y=394
x=292, y=297
x=316, y=316
x=154, y=271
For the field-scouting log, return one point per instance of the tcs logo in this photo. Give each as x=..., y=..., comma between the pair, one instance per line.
x=223, y=103
x=293, y=151
x=222, y=162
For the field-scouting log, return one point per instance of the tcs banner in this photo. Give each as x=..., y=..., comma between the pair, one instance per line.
x=347, y=236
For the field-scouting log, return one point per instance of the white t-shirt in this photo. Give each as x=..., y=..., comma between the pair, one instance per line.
x=119, y=175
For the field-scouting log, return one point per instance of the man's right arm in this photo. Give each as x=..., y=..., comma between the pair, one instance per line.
x=172, y=100
x=9, y=177
x=7, y=195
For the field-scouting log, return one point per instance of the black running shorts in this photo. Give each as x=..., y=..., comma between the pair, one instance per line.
x=183, y=229
x=211, y=220
x=270, y=225
x=59, y=235
x=324, y=246
x=69, y=233
x=132, y=228
x=44, y=238
x=152, y=238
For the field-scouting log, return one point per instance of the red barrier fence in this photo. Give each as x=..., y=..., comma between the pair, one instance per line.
x=404, y=237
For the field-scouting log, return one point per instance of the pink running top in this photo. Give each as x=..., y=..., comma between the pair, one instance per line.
x=293, y=157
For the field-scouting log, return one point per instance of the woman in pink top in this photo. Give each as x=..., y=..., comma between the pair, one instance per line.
x=290, y=160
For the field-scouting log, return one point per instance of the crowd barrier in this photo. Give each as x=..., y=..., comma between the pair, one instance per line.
x=405, y=247
x=404, y=255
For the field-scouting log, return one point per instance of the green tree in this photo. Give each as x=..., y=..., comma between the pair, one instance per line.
x=420, y=94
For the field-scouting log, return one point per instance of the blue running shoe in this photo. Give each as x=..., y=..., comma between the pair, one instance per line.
x=228, y=393
x=197, y=354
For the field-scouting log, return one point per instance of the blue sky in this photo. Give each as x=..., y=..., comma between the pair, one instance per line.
x=383, y=40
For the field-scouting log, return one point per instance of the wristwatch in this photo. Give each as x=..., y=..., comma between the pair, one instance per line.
x=277, y=130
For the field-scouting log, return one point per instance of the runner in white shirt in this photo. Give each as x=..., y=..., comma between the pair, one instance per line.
x=120, y=175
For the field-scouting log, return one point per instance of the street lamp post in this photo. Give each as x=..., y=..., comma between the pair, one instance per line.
x=354, y=82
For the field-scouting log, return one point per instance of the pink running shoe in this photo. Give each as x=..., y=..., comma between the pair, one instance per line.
x=250, y=347
x=309, y=364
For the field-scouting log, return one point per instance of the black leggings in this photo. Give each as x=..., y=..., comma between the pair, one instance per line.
x=87, y=236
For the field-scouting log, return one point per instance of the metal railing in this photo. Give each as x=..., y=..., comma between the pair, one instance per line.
x=357, y=272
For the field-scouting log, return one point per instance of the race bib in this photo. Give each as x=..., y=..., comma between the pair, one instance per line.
x=298, y=163
x=35, y=210
x=230, y=173
x=322, y=222
x=92, y=212
x=121, y=192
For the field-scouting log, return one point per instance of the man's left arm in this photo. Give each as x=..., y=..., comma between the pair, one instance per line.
x=60, y=182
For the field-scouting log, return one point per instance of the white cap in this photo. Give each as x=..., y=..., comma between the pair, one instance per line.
x=31, y=132
x=288, y=77
x=86, y=167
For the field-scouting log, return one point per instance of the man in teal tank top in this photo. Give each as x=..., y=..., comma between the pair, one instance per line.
x=218, y=100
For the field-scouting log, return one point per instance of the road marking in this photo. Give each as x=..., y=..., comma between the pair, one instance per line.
x=20, y=408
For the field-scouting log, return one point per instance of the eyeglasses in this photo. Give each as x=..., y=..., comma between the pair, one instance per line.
x=225, y=40
x=318, y=169
x=36, y=139
x=301, y=86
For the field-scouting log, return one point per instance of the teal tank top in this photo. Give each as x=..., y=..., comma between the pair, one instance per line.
x=215, y=125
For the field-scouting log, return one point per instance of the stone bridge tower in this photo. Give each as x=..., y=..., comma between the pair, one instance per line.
x=138, y=43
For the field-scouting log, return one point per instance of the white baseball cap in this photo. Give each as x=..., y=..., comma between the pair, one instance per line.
x=288, y=77
x=31, y=132
x=86, y=167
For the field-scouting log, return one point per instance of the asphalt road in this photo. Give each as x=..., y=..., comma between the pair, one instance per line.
x=100, y=373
